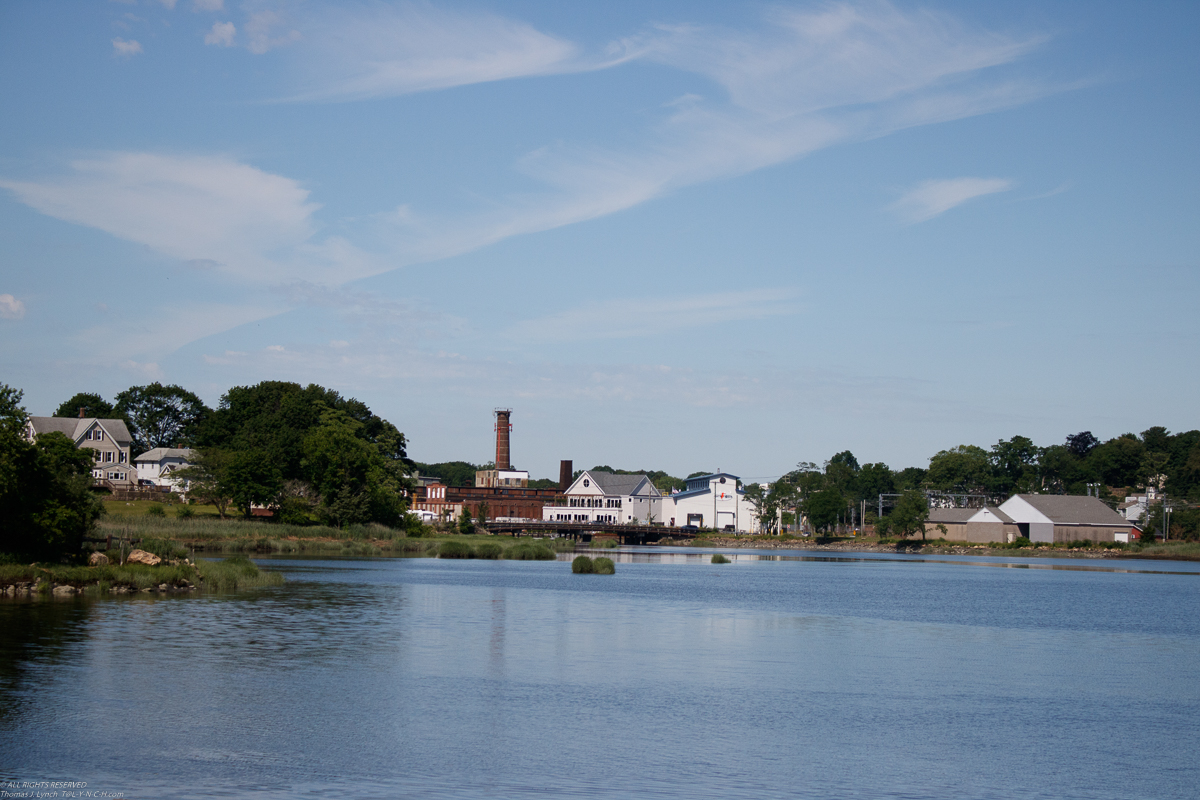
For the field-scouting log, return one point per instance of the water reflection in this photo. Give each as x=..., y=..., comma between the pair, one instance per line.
x=642, y=555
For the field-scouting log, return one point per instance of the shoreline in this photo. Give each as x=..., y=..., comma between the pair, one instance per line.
x=918, y=547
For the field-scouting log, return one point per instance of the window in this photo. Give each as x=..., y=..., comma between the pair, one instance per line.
x=98, y=435
x=99, y=457
x=121, y=457
x=108, y=457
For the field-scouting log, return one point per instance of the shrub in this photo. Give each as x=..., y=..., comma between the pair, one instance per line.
x=719, y=559
x=604, y=566
x=529, y=552
x=488, y=550
x=582, y=565
x=185, y=512
x=1021, y=541
x=453, y=549
x=156, y=510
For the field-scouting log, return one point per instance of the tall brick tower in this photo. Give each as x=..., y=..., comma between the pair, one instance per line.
x=503, y=429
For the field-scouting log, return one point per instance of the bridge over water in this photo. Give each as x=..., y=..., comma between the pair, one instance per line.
x=628, y=534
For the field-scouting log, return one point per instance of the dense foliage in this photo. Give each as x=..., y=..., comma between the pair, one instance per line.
x=46, y=507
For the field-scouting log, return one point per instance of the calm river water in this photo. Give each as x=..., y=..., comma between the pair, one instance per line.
x=794, y=676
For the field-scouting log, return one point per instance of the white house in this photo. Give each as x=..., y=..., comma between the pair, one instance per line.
x=158, y=465
x=1065, y=518
x=597, y=496
x=108, y=439
x=710, y=501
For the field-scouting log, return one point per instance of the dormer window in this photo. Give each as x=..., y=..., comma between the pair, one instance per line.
x=98, y=435
x=586, y=483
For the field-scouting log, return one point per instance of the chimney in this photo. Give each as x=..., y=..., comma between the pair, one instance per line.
x=564, y=474
x=503, y=428
x=81, y=410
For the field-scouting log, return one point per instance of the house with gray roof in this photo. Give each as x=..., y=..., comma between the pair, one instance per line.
x=605, y=497
x=1066, y=518
x=108, y=439
x=157, y=467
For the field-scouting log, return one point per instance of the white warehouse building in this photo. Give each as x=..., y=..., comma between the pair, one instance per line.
x=710, y=501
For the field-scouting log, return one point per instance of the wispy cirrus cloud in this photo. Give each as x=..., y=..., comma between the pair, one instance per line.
x=209, y=211
x=626, y=317
x=785, y=86
x=359, y=52
x=928, y=199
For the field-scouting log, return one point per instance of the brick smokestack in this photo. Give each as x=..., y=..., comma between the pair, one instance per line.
x=564, y=474
x=503, y=428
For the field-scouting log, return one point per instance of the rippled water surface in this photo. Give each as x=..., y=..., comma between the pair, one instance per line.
x=793, y=676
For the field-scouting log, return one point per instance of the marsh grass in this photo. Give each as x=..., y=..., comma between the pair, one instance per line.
x=234, y=573
x=605, y=544
x=488, y=550
x=604, y=566
x=528, y=551
x=583, y=565
x=453, y=549
x=719, y=559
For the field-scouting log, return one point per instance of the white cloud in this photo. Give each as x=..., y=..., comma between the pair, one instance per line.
x=222, y=34
x=208, y=5
x=126, y=48
x=380, y=50
x=209, y=211
x=802, y=82
x=267, y=30
x=168, y=3
x=626, y=317
x=928, y=199
x=11, y=307
x=148, y=369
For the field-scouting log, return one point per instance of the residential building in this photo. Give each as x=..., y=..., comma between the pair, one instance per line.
x=108, y=439
x=598, y=496
x=157, y=467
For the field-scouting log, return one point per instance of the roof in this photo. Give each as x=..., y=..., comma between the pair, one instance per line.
x=159, y=453
x=1074, y=509
x=620, y=484
x=74, y=427
x=937, y=515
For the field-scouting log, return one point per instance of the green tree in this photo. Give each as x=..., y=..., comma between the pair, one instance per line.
x=252, y=480
x=765, y=506
x=93, y=404
x=465, y=525
x=965, y=468
x=161, y=416
x=910, y=514
x=354, y=479
x=1015, y=465
x=1118, y=460
x=206, y=478
x=46, y=506
x=874, y=480
x=823, y=508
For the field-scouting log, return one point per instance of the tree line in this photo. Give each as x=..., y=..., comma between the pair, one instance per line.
x=304, y=450
x=826, y=493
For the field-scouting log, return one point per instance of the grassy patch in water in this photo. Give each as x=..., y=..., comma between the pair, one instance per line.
x=605, y=544
x=528, y=551
x=582, y=565
x=488, y=550
x=719, y=559
x=604, y=566
x=236, y=572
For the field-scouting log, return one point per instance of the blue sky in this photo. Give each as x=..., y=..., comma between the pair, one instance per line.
x=668, y=235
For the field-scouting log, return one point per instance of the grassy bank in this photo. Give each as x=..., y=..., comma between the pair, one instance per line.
x=213, y=535
x=238, y=572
